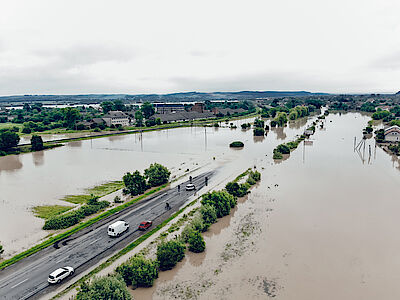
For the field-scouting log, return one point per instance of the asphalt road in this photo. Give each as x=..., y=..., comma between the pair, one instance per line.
x=27, y=279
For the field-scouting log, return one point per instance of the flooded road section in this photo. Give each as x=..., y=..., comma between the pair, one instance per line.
x=321, y=225
x=42, y=178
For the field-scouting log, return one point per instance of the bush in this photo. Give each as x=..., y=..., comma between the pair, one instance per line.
x=197, y=223
x=222, y=201
x=72, y=218
x=139, y=271
x=255, y=175
x=117, y=199
x=235, y=189
x=284, y=149
x=216, y=124
x=236, y=144
x=187, y=231
x=170, y=253
x=273, y=123
x=157, y=174
x=277, y=155
x=258, y=131
x=196, y=243
x=209, y=215
x=109, y=287
x=1, y=250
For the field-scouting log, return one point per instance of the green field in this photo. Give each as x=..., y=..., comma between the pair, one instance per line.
x=49, y=211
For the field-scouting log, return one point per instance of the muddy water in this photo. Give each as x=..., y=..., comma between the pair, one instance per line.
x=42, y=178
x=321, y=225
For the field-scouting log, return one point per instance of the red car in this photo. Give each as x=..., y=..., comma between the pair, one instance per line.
x=144, y=225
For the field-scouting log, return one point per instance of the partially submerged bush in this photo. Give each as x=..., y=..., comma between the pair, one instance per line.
x=196, y=242
x=222, y=201
x=139, y=271
x=170, y=253
x=236, y=144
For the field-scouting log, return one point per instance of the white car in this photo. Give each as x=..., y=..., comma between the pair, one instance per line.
x=117, y=228
x=60, y=274
x=190, y=187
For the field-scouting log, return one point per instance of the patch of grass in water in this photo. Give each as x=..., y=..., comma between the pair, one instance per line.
x=49, y=211
x=100, y=191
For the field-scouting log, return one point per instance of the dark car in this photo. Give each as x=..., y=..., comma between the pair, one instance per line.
x=144, y=225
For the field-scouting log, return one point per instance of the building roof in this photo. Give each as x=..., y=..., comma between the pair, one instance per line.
x=391, y=129
x=115, y=114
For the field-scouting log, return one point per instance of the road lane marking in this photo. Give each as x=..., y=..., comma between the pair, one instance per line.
x=19, y=283
x=94, y=241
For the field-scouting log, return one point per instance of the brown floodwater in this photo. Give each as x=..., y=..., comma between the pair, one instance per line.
x=321, y=224
x=42, y=178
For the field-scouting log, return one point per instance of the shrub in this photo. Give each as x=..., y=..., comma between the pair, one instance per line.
x=236, y=144
x=196, y=243
x=139, y=271
x=216, y=124
x=258, y=131
x=117, y=199
x=109, y=287
x=1, y=250
x=186, y=232
x=255, y=175
x=277, y=155
x=222, y=201
x=197, y=223
x=273, y=123
x=170, y=253
x=284, y=149
x=209, y=215
x=235, y=189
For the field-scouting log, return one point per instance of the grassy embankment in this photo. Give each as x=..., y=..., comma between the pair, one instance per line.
x=75, y=229
x=49, y=211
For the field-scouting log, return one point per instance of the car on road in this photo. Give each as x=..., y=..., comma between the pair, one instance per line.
x=117, y=228
x=60, y=274
x=190, y=187
x=144, y=225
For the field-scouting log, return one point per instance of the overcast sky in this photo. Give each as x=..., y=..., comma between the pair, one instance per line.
x=69, y=47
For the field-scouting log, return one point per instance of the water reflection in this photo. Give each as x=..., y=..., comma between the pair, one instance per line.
x=258, y=139
x=75, y=144
x=38, y=158
x=10, y=163
x=280, y=133
x=298, y=123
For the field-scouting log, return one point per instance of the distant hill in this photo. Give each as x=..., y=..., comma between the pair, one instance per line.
x=174, y=97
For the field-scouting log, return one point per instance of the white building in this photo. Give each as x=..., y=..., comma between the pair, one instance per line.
x=392, y=134
x=116, y=118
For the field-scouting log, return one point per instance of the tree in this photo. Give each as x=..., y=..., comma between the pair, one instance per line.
x=139, y=271
x=106, y=106
x=196, y=242
x=139, y=118
x=147, y=109
x=135, y=183
x=109, y=287
x=157, y=174
x=235, y=189
x=8, y=140
x=118, y=105
x=284, y=149
x=258, y=131
x=36, y=143
x=71, y=115
x=281, y=119
x=222, y=201
x=170, y=253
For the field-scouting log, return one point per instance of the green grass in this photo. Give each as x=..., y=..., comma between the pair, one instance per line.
x=78, y=227
x=106, y=188
x=10, y=125
x=49, y=211
x=100, y=191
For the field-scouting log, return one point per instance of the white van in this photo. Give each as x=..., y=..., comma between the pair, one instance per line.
x=117, y=228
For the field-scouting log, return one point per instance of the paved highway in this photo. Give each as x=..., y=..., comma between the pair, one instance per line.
x=27, y=279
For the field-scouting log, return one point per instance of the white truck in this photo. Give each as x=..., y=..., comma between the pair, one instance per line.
x=117, y=228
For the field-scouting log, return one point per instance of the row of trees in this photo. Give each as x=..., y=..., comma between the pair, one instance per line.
x=136, y=183
x=287, y=147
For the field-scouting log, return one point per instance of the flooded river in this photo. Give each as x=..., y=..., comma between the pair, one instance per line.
x=320, y=225
x=42, y=178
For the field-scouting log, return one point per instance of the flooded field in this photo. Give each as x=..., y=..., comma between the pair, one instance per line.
x=42, y=178
x=320, y=225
